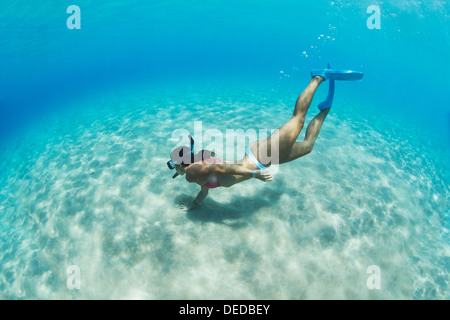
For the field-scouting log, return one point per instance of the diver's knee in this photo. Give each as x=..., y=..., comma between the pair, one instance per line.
x=308, y=146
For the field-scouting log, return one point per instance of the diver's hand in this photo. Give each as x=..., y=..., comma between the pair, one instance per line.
x=187, y=204
x=264, y=175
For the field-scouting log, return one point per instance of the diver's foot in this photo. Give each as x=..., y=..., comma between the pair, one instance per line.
x=318, y=78
x=323, y=74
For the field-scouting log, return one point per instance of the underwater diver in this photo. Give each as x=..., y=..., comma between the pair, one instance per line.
x=209, y=172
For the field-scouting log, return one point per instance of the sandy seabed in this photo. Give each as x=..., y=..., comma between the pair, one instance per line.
x=90, y=187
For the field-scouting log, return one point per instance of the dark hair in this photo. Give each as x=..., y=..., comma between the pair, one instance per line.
x=184, y=157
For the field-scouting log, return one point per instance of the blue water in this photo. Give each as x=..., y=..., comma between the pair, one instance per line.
x=86, y=118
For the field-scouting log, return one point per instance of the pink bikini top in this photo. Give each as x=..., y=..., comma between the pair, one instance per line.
x=213, y=181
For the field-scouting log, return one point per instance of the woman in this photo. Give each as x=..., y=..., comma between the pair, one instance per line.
x=210, y=173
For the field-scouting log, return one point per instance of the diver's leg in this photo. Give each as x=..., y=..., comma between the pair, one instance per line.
x=299, y=149
x=270, y=150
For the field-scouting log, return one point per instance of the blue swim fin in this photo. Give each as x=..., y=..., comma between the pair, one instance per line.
x=328, y=102
x=331, y=74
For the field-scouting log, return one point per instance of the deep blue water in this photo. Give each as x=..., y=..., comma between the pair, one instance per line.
x=405, y=62
x=100, y=100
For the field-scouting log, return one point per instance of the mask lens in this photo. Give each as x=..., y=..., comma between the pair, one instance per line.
x=171, y=164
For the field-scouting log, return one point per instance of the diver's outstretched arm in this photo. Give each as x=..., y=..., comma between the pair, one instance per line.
x=190, y=204
x=201, y=196
x=197, y=173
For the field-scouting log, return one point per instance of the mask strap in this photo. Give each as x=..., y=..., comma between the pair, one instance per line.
x=192, y=144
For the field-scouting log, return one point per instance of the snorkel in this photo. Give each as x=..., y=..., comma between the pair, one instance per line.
x=178, y=157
